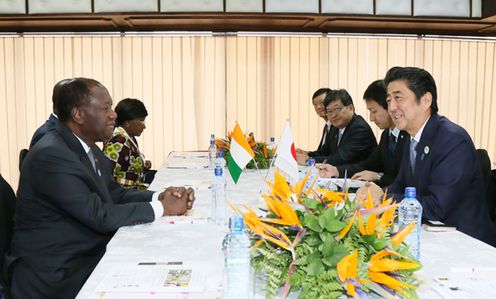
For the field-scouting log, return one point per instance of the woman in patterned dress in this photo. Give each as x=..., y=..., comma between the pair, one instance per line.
x=131, y=170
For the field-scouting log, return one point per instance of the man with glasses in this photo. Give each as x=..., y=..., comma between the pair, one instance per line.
x=383, y=164
x=351, y=138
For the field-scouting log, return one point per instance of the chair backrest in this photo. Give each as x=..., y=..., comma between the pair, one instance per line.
x=22, y=155
x=7, y=210
x=485, y=164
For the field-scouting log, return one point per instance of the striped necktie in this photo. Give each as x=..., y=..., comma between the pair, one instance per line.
x=413, y=153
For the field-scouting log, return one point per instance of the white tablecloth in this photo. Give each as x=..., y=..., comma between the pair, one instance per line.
x=454, y=264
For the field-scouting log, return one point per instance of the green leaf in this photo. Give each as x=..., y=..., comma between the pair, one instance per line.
x=333, y=254
x=312, y=222
x=330, y=221
x=326, y=236
x=315, y=268
x=310, y=203
x=313, y=240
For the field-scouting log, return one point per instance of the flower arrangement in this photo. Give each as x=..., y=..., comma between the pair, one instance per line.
x=263, y=154
x=330, y=246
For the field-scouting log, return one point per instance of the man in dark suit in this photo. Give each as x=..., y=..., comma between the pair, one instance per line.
x=318, y=98
x=69, y=205
x=7, y=209
x=439, y=159
x=383, y=164
x=351, y=138
x=52, y=120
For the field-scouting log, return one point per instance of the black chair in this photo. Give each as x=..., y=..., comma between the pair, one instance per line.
x=485, y=164
x=22, y=155
x=492, y=193
x=7, y=209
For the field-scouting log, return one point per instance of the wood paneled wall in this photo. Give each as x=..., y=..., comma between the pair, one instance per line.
x=195, y=85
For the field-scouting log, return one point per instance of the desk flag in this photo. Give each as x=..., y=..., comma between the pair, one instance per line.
x=240, y=154
x=286, y=154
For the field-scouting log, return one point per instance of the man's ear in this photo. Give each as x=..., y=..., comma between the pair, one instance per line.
x=77, y=115
x=426, y=100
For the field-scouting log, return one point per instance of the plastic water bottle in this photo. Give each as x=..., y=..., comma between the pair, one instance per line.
x=410, y=210
x=272, y=145
x=236, y=247
x=212, y=152
x=219, y=206
x=220, y=160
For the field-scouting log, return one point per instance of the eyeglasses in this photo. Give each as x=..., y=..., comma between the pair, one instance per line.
x=334, y=111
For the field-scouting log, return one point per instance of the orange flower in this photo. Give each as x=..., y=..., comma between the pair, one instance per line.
x=280, y=188
x=347, y=269
x=398, y=238
x=345, y=230
x=379, y=266
x=265, y=152
x=283, y=210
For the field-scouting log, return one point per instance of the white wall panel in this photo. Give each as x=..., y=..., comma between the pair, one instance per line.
x=12, y=6
x=59, y=6
x=346, y=6
x=126, y=6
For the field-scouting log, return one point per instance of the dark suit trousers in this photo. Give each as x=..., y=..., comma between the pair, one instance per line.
x=59, y=283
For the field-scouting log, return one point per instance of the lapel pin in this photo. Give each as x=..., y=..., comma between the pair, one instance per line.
x=426, y=150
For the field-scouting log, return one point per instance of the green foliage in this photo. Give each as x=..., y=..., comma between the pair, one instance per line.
x=317, y=255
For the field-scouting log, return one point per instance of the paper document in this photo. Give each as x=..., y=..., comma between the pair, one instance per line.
x=153, y=277
x=333, y=183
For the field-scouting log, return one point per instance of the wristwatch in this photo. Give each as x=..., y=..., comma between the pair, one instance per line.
x=379, y=176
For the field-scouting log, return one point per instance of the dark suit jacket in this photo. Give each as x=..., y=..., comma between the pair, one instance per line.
x=448, y=179
x=320, y=150
x=381, y=160
x=41, y=131
x=66, y=214
x=357, y=143
x=7, y=209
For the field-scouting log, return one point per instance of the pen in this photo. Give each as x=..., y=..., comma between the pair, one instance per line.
x=158, y=263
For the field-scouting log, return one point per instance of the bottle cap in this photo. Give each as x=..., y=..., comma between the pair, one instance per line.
x=272, y=139
x=410, y=192
x=212, y=136
x=218, y=171
x=236, y=223
x=311, y=162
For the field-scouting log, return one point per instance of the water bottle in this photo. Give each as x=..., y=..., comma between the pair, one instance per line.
x=212, y=152
x=410, y=210
x=236, y=247
x=219, y=206
x=220, y=160
x=272, y=145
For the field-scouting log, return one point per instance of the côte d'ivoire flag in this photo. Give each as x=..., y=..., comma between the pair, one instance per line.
x=240, y=153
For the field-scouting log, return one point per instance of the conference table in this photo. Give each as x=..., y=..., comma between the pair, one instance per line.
x=181, y=256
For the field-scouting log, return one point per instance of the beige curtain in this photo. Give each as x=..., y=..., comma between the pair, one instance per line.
x=193, y=86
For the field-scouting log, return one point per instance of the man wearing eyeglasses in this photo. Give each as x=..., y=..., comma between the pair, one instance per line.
x=351, y=138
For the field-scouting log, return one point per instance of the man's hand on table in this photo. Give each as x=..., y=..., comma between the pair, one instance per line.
x=327, y=170
x=375, y=191
x=177, y=200
x=301, y=156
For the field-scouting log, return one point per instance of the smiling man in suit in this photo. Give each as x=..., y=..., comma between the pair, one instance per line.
x=439, y=158
x=383, y=164
x=351, y=138
x=69, y=206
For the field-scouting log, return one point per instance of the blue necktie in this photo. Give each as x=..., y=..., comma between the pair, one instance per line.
x=413, y=153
